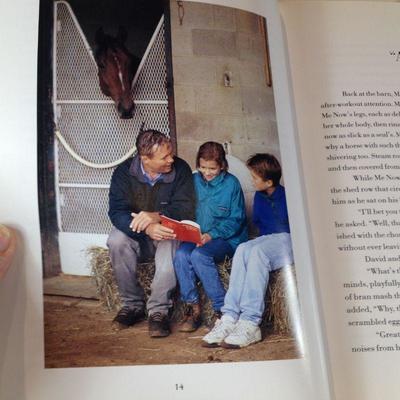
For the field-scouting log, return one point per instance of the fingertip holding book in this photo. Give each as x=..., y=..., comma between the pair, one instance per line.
x=8, y=245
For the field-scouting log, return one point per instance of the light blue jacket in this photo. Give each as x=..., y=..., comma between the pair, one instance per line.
x=220, y=210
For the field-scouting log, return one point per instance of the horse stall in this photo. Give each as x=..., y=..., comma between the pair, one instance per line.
x=91, y=135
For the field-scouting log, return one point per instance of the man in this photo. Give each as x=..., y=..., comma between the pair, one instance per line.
x=154, y=182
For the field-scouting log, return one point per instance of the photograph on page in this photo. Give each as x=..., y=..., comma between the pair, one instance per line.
x=161, y=108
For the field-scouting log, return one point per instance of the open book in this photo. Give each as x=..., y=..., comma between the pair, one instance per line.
x=328, y=107
x=185, y=231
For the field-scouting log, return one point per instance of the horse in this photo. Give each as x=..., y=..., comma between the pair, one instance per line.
x=116, y=70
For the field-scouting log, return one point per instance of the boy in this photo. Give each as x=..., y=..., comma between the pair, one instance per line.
x=254, y=260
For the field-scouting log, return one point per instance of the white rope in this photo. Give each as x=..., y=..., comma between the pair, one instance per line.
x=89, y=163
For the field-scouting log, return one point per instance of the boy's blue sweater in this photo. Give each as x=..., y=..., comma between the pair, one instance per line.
x=270, y=213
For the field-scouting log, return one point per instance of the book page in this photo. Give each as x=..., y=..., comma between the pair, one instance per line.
x=344, y=60
x=25, y=370
x=192, y=223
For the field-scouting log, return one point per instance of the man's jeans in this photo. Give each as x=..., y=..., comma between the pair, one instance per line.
x=125, y=253
x=193, y=262
x=251, y=265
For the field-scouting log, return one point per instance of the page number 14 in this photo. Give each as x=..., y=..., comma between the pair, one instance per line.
x=178, y=386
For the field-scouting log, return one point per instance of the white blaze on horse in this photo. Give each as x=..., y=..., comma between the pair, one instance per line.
x=116, y=70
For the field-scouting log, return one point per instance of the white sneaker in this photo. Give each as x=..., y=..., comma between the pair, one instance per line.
x=222, y=328
x=244, y=334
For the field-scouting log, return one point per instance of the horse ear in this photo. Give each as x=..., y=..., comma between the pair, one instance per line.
x=122, y=35
x=100, y=36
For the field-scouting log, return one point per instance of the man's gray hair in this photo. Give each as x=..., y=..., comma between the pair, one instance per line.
x=150, y=140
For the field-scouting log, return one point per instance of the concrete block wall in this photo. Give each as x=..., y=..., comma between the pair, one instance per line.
x=213, y=41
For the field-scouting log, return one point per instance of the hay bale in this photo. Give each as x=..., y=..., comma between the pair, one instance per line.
x=102, y=273
x=281, y=298
x=281, y=301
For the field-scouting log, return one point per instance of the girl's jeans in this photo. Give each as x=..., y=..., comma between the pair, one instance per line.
x=192, y=263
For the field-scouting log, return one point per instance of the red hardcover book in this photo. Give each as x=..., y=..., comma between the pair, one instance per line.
x=185, y=231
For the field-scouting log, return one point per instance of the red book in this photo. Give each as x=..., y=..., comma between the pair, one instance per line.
x=185, y=231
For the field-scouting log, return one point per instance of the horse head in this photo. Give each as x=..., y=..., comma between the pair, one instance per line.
x=116, y=70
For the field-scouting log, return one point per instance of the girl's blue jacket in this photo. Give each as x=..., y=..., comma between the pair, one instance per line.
x=220, y=210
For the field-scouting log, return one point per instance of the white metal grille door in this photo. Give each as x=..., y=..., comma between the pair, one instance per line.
x=92, y=130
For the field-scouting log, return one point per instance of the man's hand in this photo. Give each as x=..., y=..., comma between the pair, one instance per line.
x=205, y=237
x=159, y=232
x=143, y=219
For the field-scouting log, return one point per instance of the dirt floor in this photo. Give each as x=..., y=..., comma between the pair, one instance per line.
x=79, y=333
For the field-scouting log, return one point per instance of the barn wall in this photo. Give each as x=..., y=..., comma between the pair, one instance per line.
x=211, y=41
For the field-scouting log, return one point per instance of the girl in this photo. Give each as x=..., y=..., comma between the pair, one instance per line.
x=220, y=212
